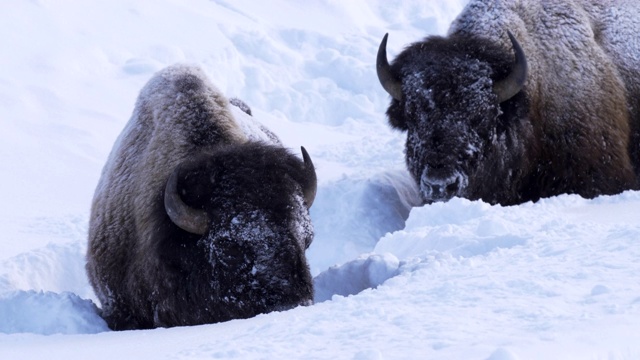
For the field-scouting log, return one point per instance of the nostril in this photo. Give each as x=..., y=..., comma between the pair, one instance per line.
x=453, y=187
x=436, y=190
x=439, y=188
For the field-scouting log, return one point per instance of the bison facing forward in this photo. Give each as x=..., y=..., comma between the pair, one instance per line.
x=193, y=220
x=563, y=117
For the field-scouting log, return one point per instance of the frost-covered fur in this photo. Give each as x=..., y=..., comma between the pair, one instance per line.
x=148, y=272
x=574, y=127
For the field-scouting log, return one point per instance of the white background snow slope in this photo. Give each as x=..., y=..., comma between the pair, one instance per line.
x=559, y=279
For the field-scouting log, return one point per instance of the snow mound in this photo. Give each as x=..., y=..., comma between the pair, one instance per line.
x=355, y=276
x=54, y=267
x=351, y=214
x=49, y=313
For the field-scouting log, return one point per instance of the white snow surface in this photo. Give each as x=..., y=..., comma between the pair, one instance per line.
x=558, y=279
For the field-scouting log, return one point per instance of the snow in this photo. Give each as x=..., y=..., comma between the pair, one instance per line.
x=456, y=280
x=49, y=313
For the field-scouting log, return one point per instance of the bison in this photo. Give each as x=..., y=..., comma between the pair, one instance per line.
x=200, y=214
x=521, y=100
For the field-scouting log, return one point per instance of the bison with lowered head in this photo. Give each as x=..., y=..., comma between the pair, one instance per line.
x=200, y=215
x=521, y=100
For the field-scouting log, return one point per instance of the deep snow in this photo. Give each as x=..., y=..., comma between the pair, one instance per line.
x=463, y=280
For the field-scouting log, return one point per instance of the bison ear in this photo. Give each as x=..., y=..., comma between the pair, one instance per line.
x=397, y=117
x=240, y=105
x=310, y=181
x=185, y=217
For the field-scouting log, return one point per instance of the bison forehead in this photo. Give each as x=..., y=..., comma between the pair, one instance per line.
x=450, y=108
x=258, y=228
x=263, y=240
x=256, y=260
x=236, y=183
x=462, y=87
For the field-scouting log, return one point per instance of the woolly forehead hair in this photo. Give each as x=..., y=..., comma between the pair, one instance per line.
x=252, y=172
x=443, y=55
x=445, y=74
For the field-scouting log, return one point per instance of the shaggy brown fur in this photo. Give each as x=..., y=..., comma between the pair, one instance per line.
x=574, y=126
x=149, y=272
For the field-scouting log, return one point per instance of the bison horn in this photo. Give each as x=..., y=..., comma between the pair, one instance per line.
x=513, y=83
x=187, y=218
x=310, y=185
x=389, y=82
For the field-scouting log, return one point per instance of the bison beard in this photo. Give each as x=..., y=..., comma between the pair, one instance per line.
x=192, y=221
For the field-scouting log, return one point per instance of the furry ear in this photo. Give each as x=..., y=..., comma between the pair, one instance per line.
x=241, y=105
x=395, y=115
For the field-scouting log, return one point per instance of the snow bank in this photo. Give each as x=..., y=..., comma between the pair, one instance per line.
x=49, y=313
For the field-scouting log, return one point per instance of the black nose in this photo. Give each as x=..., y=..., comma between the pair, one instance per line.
x=436, y=191
x=445, y=190
x=453, y=187
x=440, y=188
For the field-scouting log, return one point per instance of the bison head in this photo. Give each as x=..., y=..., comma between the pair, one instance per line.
x=243, y=212
x=448, y=94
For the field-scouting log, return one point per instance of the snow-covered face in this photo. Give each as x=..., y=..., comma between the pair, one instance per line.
x=450, y=113
x=253, y=248
x=259, y=265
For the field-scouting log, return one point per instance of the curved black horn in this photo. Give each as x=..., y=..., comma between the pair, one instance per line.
x=389, y=82
x=513, y=83
x=187, y=218
x=310, y=187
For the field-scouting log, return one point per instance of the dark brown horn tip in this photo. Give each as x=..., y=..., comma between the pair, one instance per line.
x=187, y=218
x=389, y=82
x=310, y=186
x=514, y=82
